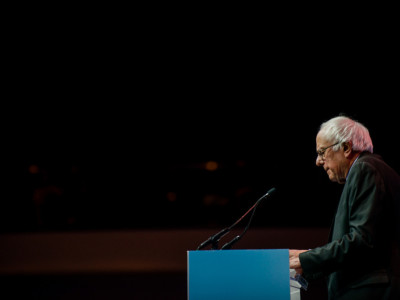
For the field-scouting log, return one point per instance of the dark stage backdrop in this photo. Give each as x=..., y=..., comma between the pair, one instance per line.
x=185, y=164
x=114, y=123
x=178, y=126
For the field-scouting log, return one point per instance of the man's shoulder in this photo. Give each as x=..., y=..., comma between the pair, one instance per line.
x=372, y=161
x=370, y=158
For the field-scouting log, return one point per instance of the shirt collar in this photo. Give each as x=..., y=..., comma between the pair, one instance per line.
x=352, y=166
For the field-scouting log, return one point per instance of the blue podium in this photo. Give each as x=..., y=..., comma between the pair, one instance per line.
x=239, y=274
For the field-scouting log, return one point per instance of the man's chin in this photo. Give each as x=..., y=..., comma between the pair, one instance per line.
x=332, y=178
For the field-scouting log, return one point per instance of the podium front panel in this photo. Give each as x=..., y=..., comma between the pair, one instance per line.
x=238, y=274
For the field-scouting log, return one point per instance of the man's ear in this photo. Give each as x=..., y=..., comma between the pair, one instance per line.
x=347, y=148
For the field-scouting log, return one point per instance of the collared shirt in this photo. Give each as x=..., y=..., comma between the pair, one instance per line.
x=352, y=166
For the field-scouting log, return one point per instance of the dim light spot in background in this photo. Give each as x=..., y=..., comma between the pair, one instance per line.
x=211, y=165
x=33, y=169
x=171, y=196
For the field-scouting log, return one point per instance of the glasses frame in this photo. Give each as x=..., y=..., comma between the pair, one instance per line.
x=321, y=152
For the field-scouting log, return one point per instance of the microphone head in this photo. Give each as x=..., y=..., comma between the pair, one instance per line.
x=271, y=191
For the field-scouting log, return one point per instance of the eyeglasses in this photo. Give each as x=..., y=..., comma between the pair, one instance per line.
x=321, y=152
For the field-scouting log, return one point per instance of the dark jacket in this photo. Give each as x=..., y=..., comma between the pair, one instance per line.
x=364, y=243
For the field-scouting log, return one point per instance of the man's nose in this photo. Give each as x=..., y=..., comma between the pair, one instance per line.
x=319, y=161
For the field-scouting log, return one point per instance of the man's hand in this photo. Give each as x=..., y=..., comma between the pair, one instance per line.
x=294, y=261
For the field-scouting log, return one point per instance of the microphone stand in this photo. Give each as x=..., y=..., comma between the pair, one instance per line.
x=229, y=245
x=213, y=240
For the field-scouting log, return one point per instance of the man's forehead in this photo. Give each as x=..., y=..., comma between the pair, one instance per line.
x=320, y=141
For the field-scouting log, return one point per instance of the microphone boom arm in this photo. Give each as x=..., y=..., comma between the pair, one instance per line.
x=213, y=240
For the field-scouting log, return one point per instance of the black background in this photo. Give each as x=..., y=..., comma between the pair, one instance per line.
x=109, y=126
x=111, y=166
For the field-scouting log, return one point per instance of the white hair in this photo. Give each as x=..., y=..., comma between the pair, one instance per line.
x=344, y=129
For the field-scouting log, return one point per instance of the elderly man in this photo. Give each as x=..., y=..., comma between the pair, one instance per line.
x=362, y=258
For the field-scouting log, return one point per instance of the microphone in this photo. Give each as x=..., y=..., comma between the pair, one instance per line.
x=216, y=237
x=229, y=244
